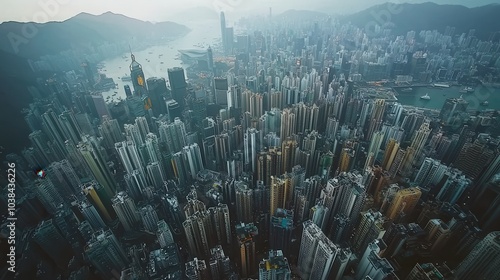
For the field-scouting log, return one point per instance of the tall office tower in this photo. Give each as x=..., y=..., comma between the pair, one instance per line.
x=430, y=173
x=127, y=90
x=419, y=139
x=174, y=134
x=452, y=186
x=149, y=218
x=344, y=195
x=403, y=203
x=210, y=59
x=317, y=253
x=438, y=234
x=488, y=174
x=106, y=254
x=178, y=85
x=133, y=134
x=98, y=196
x=288, y=124
x=197, y=270
x=155, y=174
x=244, y=202
x=318, y=215
x=197, y=233
x=220, y=264
x=53, y=243
x=98, y=106
x=136, y=106
x=43, y=155
x=70, y=127
x=126, y=210
x=137, y=75
x=193, y=206
x=371, y=265
x=371, y=226
x=180, y=168
x=91, y=215
x=164, y=234
x=429, y=271
x=62, y=175
x=288, y=150
x=157, y=88
x=275, y=267
x=246, y=235
x=229, y=35
x=221, y=88
x=192, y=155
x=390, y=153
x=223, y=30
x=278, y=194
x=281, y=230
x=222, y=223
x=110, y=132
x=346, y=160
x=397, y=162
x=48, y=195
x=475, y=157
x=376, y=118
x=454, y=111
x=135, y=184
x=251, y=148
x=53, y=128
x=129, y=156
x=483, y=261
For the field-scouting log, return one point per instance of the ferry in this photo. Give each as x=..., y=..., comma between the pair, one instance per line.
x=485, y=103
x=407, y=89
x=441, y=85
x=425, y=97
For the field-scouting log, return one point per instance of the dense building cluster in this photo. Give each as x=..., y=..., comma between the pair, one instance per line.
x=289, y=164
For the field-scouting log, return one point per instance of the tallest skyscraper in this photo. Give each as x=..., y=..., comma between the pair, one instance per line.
x=223, y=29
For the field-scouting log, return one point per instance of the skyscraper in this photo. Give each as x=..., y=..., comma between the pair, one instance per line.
x=138, y=80
x=274, y=267
x=403, y=203
x=53, y=243
x=125, y=210
x=178, y=85
x=280, y=236
x=371, y=227
x=164, y=234
x=453, y=111
x=246, y=234
x=244, y=202
x=483, y=261
x=371, y=264
x=106, y=254
x=149, y=218
x=157, y=88
x=317, y=253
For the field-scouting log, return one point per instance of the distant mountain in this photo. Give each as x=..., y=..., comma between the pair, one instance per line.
x=197, y=13
x=81, y=30
x=301, y=15
x=430, y=16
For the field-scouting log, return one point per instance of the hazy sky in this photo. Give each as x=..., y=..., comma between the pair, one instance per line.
x=160, y=10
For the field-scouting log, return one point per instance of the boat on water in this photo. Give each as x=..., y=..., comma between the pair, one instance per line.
x=485, y=103
x=467, y=90
x=441, y=85
x=407, y=89
x=425, y=97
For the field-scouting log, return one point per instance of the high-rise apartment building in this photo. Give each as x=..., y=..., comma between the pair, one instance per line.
x=275, y=267
x=246, y=235
x=483, y=261
x=403, y=203
x=126, y=210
